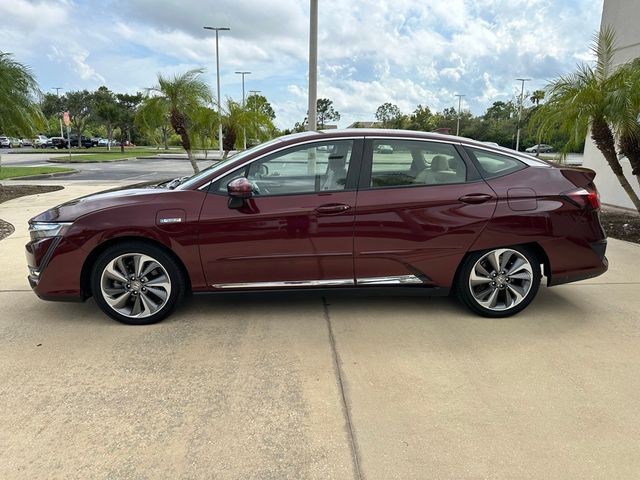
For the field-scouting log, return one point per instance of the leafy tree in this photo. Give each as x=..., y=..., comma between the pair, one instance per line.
x=185, y=93
x=326, y=112
x=107, y=110
x=260, y=108
x=259, y=103
x=19, y=111
x=52, y=105
x=389, y=115
x=588, y=98
x=501, y=111
x=127, y=105
x=80, y=106
x=421, y=119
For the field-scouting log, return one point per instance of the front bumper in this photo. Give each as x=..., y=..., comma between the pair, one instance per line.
x=55, y=266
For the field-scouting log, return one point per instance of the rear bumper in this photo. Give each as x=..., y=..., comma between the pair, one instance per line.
x=600, y=266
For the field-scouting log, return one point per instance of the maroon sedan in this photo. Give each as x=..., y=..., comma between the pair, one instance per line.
x=371, y=210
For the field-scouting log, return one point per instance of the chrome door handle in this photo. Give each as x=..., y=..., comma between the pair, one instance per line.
x=332, y=208
x=475, y=198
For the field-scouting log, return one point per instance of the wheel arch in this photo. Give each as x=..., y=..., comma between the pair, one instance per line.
x=534, y=247
x=87, y=266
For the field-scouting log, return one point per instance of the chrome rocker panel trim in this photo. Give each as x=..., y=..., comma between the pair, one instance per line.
x=394, y=280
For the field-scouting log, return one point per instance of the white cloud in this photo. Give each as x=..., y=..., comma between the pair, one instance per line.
x=370, y=52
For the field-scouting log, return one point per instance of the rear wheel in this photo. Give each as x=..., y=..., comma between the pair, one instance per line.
x=499, y=282
x=137, y=283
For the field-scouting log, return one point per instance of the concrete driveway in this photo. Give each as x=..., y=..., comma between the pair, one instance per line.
x=327, y=388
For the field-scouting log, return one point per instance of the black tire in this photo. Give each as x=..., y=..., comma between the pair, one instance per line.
x=167, y=264
x=465, y=295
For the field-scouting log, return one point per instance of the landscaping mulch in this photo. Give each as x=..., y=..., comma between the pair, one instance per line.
x=621, y=224
x=11, y=192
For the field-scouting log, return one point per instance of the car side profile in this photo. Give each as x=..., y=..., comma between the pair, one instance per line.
x=540, y=148
x=427, y=214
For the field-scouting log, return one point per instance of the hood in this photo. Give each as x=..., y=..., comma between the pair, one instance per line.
x=74, y=209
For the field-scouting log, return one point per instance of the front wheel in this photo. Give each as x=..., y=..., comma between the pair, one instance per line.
x=137, y=283
x=499, y=282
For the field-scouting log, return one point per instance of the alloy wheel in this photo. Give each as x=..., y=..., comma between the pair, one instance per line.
x=501, y=279
x=135, y=285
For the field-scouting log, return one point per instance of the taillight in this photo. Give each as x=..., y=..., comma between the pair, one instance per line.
x=584, y=198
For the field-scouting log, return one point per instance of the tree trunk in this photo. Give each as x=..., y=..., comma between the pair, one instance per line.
x=179, y=124
x=109, y=136
x=165, y=138
x=229, y=136
x=603, y=138
x=630, y=147
x=192, y=159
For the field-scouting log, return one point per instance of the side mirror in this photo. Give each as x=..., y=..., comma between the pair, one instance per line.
x=239, y=190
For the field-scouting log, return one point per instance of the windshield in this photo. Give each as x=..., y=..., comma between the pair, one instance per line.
x=193, y=180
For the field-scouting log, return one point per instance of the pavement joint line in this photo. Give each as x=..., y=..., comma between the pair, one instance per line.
x=355, y=455
x=600, y=283
x=15, y=290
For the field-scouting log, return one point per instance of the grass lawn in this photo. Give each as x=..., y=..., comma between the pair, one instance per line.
x=11, y=172
x=102, y=155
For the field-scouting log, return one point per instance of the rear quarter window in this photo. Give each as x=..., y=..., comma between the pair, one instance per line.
x=492, y=165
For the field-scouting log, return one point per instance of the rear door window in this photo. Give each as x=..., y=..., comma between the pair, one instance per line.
x=399, y=163
x=492, y=165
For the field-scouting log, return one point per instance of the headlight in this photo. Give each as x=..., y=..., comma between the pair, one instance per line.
x=40, y=230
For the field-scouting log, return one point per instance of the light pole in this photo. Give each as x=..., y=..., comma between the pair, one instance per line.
x=313, y=64
x=459, y=107
x=244, y=130
x=520, y=111
x=218, y=29
x=57, y=89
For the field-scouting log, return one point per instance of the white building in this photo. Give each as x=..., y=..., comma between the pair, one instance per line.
x=624, y=16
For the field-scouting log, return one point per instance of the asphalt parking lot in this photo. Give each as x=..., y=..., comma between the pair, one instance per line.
x=334, y=387
x=130, y=171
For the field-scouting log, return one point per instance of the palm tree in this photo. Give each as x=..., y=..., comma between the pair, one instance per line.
x=536, y=97
x=236, y=119
x=586, y=99
x=154, y=119
x=19, y=111
x=185, y=93
x=627, y=109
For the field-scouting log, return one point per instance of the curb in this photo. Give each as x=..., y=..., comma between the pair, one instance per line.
x=178, y=158
x=55, y=160
x=43, y=176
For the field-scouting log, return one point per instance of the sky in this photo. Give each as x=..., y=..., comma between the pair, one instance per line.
x=406, y=52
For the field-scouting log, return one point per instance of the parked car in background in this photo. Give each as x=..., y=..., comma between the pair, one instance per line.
x=329, y=210
x=103, y=142
x=58, y=142
x=85, y=142
x=541, y=148
x=384, y=149
x=25, y=142
x=5, y=142
x=40, y=141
